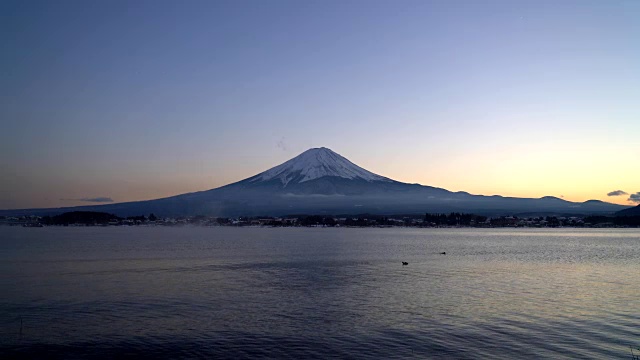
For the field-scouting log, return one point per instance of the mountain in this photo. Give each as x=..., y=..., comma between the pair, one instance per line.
x=634, y=211
x=320, y=181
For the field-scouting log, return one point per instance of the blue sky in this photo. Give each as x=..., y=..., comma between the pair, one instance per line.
x=134, y=100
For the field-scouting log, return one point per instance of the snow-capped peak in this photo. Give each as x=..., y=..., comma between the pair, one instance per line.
x=316, y=163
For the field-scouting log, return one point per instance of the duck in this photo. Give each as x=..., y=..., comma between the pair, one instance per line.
x=443, y=253
x=405, y=263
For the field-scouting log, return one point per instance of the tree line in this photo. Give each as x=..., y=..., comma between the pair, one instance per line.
x=91, y=218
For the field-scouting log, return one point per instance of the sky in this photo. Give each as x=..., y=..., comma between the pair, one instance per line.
x=128, y=100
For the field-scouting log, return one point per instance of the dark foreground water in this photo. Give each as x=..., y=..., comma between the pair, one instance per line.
x=318, y=293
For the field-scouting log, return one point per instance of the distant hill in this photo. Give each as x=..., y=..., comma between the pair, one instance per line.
x=629, y=212
x=320, y=181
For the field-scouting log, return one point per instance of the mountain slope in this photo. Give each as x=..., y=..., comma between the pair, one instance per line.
x=634, y=211
x=320, y=181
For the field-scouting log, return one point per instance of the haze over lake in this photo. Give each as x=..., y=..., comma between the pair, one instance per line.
x=317, y=293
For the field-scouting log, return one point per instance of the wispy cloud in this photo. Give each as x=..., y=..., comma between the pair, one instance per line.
x=282, y=145
x=634, y=197
x=99, y=199
x=617, y=193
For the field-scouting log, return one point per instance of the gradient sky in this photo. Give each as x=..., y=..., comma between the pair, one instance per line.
x=134, y=100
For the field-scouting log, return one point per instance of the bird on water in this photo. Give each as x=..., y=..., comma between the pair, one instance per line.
x=405, y=263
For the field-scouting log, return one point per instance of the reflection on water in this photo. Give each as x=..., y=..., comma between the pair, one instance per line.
x=315, y=293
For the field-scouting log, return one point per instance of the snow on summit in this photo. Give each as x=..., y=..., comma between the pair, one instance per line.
x=316, y=163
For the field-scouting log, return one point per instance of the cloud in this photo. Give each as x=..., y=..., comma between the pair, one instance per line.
x=617, y=193
x=281, y=144
x=634, y=197
x=99, y=199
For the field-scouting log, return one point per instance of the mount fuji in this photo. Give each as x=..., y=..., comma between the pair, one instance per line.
x=320, y=181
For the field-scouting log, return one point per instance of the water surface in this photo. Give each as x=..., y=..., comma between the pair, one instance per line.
x=318, y=293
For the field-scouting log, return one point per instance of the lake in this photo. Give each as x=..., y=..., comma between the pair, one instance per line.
x=246, y=293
